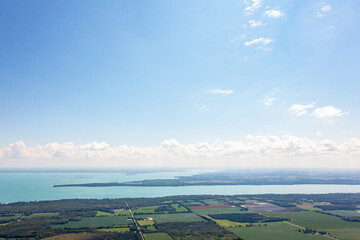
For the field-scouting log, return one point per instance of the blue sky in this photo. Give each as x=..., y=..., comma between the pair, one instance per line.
x=138, y=73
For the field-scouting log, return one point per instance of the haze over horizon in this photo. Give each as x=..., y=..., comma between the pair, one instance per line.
x=254, y=83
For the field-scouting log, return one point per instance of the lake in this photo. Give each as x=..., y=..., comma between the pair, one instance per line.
x=26, y=186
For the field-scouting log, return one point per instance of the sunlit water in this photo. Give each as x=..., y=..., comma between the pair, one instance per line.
x=38, y=186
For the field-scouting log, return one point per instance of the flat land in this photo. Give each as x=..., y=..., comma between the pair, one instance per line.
x=96, y=222
x=218, y=211
x=174, y=217
x=157, y=236
x=321, y=222
x=121, y=229
x=145, y=222
x=273, y=231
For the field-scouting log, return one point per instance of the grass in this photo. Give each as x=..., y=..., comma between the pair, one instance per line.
x=151, y=228
x=345, y=213
x=117, y=212
x=273, y=231
x=145, y=210
x=118, y=229
x=145, y=222
x=42, y=215
x=212, y=202
x=218, y=211
x=227, y=223
x=175, y=217
x=6, y=218
x=72, y=236
x=157, y=236
x=96, y=222
x=309, y=207
x=322, y=222
x=179, y=208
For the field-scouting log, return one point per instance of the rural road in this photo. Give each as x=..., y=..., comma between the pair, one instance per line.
x=132, y=215
x=304, y=229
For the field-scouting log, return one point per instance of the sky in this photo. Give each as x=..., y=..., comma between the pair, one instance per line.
x=203, y=83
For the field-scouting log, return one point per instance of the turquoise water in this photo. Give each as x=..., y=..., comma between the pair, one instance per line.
x=38, y=186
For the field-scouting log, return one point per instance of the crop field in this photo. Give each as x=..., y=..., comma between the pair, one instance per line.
x=157, y=236
x=309, y=207
x=322, y=222
x=179, y=208
x=218, y=211
x=118, y=229
x=96, y=222
x=210, y=207
x=175, y=217
x=117, y=212
x=71, y=236
x=345, y=213
x=150, y=209
x=42, y=215
x=212, y=202
x=227, y=223
x=273, y=231
x=145, y=222
x=8, y=218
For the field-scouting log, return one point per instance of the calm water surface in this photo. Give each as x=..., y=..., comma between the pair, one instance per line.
x=38, y=186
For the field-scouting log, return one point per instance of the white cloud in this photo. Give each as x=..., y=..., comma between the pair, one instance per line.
x=323, y=10
x=252, y=6
x=261, y=40
x=328, y=112
x=274, y=13
x=221, y=91
x=254, y=23
x=299, y=110
x=268, y=101
x=254, y=151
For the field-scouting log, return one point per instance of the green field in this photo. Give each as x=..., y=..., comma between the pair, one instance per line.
x=96, y=222
x=218, y=211
x=345, y=213
x=175, y=217
x=179, y=208
x=273, y=231
x=141, y=210
x=122, y=229
x=8, y=218
x=322, y=222
x=145, y=222
x=117, y=212
x=42, y=215
x=157, y=236
x=212, y=202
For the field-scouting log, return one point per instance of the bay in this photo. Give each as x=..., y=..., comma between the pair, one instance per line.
x=27, y=186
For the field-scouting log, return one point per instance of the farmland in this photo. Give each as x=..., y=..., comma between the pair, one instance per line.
x=236, y=217
x=273, y=231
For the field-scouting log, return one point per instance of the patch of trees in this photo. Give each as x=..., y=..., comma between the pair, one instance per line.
x=247, y=217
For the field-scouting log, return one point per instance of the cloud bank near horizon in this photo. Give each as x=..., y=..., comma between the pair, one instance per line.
x=255, y=151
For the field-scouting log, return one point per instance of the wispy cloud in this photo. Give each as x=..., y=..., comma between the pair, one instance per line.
x=221, y=91
x=254, y=23
x=201, y=107
x=328, y=112
x=323, y=10
x=299, y=110
x=252, y=5
x=274, y=13
x=237, y=38
x=268, y=101
x=261, y=40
